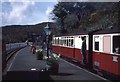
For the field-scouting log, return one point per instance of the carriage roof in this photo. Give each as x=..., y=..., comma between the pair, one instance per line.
x=108, y=31
x=73, y=34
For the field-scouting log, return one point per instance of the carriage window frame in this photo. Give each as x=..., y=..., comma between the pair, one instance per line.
x=96, y=43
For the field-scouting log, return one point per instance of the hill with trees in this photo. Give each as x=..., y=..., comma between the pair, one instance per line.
x=21, y=33
x=69, y=17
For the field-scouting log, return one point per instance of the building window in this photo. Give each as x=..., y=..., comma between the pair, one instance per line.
x=116, y=44
x=96, y=46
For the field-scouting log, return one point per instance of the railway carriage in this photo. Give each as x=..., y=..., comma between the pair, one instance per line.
x=69, y=45
x=102, y=47
x=106, y=52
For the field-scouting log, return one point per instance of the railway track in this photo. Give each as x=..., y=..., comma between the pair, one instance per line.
x=9, y=54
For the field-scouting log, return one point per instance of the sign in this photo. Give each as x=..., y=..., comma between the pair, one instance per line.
x=115, y=58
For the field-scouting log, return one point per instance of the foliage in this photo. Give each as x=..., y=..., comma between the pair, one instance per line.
x=21, y=33
x=85, y=15
x=39, y=54
x=52, y=59
x=39, y=51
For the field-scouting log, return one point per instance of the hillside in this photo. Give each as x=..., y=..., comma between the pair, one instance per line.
x=20, y=33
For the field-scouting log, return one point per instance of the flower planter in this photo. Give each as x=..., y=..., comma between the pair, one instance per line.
x=54, y=68
x=54, y=65
x=39, y=54
x=40, y=57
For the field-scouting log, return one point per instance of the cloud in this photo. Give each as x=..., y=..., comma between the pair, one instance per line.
x=31, y=0
x=19, y=11
x=49, y=10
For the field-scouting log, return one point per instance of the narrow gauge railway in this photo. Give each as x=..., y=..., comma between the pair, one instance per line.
x=102, y=48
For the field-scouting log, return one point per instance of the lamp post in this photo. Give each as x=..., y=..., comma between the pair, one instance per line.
x=48, y=33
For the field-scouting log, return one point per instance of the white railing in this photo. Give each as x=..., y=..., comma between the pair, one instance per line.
x=14, y=46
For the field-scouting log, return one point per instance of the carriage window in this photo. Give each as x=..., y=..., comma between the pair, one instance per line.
x=58, y=40
x=67, y=42
x=116, y=44
x=61, y=42
x=107, y=44
x=55, y=40
x=64, y=42
x=96, y=46
x=72, y=42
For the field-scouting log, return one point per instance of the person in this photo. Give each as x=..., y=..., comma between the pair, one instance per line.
x=27, y=42
x=117, y=50
x=33, y=48
x=83, y=50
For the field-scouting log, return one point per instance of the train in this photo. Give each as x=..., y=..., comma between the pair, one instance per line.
x=102, y=48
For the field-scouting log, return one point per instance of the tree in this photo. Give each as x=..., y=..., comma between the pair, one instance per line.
x=71, y=15
x=85, y=15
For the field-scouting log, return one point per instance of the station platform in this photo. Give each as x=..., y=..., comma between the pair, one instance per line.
x=25, y=66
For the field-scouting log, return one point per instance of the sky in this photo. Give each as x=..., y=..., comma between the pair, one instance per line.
x=25, y=13
x=28, y=12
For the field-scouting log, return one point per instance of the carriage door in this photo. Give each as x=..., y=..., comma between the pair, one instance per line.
x=90, y=48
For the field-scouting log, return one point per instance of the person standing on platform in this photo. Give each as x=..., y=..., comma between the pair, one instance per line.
x=33, y=48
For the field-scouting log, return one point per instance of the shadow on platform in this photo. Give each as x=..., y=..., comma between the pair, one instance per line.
x=27, y=75
x=62, y=74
